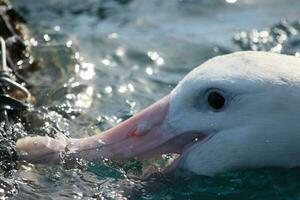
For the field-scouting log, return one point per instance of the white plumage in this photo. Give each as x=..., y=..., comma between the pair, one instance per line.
x=258, y=125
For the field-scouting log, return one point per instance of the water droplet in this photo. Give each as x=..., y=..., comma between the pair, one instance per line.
x=20, y=62
x=120, y=51
x=69, y=43
x=77, y=55
x=87, y=72
x=160, y=61
x=149, y=70
x=122, y=89
x=108, y=89
x=33, y=42
x=231, y=1
x=46, y=37
x=113, y=36
x=105, y=61
x=130, y=87
x=56, y=28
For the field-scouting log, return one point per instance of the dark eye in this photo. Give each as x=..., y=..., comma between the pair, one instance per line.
x=216, y=100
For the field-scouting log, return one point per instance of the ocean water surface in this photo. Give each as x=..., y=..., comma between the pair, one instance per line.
x=104, y=60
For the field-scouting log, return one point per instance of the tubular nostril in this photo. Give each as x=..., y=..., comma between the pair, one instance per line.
x=141, y=129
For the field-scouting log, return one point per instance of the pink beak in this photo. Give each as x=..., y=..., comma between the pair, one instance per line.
x=144, y=135
x=136, y=136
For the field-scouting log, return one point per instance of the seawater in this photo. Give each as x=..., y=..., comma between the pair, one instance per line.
x=102, y=61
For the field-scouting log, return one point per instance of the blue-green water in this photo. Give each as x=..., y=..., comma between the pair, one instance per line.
x=104, y=60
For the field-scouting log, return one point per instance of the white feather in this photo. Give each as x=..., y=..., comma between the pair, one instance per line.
x=261, y=124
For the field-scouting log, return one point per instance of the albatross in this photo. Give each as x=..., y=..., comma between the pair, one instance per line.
x=234, y=111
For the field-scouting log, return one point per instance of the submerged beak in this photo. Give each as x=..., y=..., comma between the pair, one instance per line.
x=144, y=135
x=133, y=137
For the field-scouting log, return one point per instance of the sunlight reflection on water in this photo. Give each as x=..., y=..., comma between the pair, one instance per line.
x=105, y=60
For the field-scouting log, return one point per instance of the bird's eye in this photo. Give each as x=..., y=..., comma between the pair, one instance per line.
x=216, y=100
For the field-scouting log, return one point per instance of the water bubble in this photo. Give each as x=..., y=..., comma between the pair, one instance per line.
x=57, y=28
x=87, y=71
x=130, y=87
x=149, y=70
x=120, y=51
x=153, y=55
x=33, y=42
x=78, y=195
x=108, y=89
x=69, y=43
x=113, y=36
x=160, y=61
x=20, y=62
x=122, y=89
x=46, y=37
x=77, y=55
x=231, y=1
x=132, y=104
x=105, y=61
x=156, y=57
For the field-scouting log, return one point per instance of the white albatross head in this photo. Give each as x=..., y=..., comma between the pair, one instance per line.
x=235, y=111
